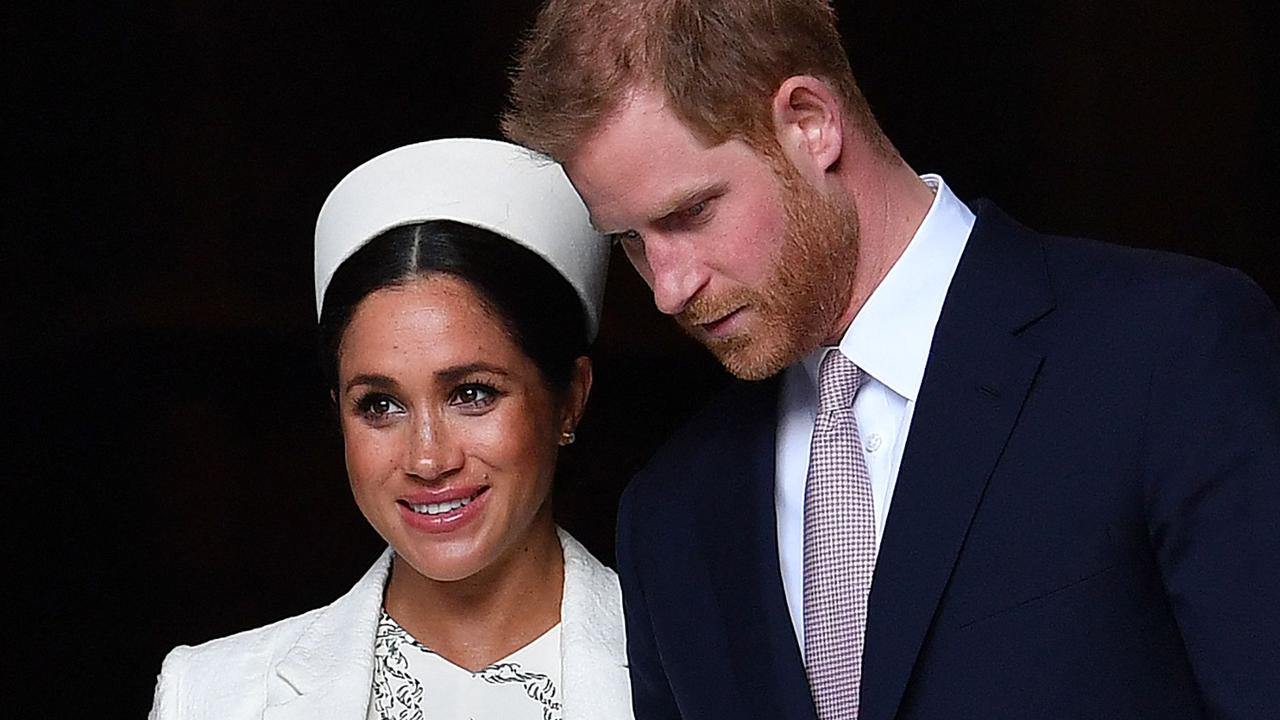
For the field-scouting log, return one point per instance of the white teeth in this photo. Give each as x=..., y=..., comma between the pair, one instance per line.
x=439, y=508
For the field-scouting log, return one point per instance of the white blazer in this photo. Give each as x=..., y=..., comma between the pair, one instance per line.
x=320, y=664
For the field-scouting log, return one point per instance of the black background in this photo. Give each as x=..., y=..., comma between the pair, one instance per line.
x=179, y=474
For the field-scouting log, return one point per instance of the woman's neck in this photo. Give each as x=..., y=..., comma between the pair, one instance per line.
x=479, y=620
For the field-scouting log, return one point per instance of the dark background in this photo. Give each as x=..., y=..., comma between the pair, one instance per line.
x=179, y=472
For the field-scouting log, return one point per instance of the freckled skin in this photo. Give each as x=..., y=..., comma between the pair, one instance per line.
x=429, y=430
x=626, y=172
x=750, y=259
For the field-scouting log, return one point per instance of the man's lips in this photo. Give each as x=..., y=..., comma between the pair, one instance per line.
x=722, y=325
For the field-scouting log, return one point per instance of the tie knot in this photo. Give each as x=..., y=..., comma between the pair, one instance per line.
x=838, y=382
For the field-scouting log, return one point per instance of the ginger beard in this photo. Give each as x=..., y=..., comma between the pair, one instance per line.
x=808, y=288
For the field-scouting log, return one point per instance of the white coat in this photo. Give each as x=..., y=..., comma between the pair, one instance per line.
x=320, y=664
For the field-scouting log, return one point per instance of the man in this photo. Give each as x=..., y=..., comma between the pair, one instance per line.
x=988, y=473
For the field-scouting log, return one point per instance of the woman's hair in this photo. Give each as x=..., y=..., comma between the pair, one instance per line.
x=536, y=305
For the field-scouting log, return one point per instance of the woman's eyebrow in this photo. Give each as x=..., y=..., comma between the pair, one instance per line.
x=458, y=372
x=377, y=381
x=453, y=373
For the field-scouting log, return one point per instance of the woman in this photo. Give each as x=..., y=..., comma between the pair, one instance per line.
x=458, y=284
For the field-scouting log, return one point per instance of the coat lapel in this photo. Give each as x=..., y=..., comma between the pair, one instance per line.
x=592, y=635
x=740, y=537
x=328, y=672
x=975, y=383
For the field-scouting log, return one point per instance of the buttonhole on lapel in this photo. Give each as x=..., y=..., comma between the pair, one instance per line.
x=989, y=391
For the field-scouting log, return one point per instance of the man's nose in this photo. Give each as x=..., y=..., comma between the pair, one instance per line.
x=675, y=273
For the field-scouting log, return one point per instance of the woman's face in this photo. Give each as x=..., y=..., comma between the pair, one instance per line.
x=451, y=433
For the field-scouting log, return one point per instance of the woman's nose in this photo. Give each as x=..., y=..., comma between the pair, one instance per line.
x=434, y=452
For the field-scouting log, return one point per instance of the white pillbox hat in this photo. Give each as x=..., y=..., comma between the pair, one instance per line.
x=497, y=186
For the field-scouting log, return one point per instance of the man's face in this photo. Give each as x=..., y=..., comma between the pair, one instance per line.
x=751, y=260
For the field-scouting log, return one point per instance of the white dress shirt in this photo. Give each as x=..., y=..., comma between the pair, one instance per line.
x=889, y=339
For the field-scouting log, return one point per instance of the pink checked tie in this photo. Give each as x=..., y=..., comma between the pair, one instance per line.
x=839, y=544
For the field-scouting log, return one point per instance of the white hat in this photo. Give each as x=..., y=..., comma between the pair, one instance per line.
x=507, y=189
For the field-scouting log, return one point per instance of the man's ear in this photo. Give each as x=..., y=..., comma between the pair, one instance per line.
x=809, y=122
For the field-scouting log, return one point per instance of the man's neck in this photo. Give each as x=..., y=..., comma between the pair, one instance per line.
x=892, y=202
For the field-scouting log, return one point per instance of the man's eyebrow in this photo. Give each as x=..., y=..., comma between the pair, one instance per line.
x=692, y=196
x=680, y=201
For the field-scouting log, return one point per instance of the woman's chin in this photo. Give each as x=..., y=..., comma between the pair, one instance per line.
x=441, y=559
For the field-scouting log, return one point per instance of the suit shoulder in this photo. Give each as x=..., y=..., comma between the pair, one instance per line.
x=1091, y=268
x=1142, y=309
x=1085, y=270
x=717, y=429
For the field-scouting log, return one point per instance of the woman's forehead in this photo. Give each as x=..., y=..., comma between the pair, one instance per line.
x=434, y=320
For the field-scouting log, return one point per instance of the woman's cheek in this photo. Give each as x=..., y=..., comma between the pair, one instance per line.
x=488, y=436
x=371, y=453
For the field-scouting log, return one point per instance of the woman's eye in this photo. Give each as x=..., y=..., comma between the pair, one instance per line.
x=379, y=406
x=474, y=396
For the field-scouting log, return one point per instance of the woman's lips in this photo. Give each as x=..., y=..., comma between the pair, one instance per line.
x=445, y=510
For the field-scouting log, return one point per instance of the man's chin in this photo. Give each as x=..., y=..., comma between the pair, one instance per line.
x=751, y=353
x=746, y=360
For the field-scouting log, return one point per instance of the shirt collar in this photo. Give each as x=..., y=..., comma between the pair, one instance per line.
x=891, y=335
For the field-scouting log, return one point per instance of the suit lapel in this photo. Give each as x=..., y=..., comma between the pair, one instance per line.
x=740, y=538
x=975, y=383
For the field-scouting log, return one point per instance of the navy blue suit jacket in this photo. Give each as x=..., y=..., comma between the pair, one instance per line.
x=1085, y=523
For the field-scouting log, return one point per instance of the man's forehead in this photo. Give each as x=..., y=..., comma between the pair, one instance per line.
x=636, y=184
x=638, y=166
x=641, y=115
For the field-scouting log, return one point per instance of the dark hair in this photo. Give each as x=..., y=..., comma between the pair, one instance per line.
x=537, y=306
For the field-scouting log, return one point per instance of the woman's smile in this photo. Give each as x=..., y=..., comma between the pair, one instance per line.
x=443, y=510
x=451, y=432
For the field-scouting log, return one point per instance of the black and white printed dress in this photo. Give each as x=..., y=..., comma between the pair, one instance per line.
x=410, y=682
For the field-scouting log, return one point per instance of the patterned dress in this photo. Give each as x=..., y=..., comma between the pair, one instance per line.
x=410, y=682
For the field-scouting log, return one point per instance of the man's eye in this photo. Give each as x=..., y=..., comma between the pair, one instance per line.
x=473, y=395
x=691, y=216
x=624, y=237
